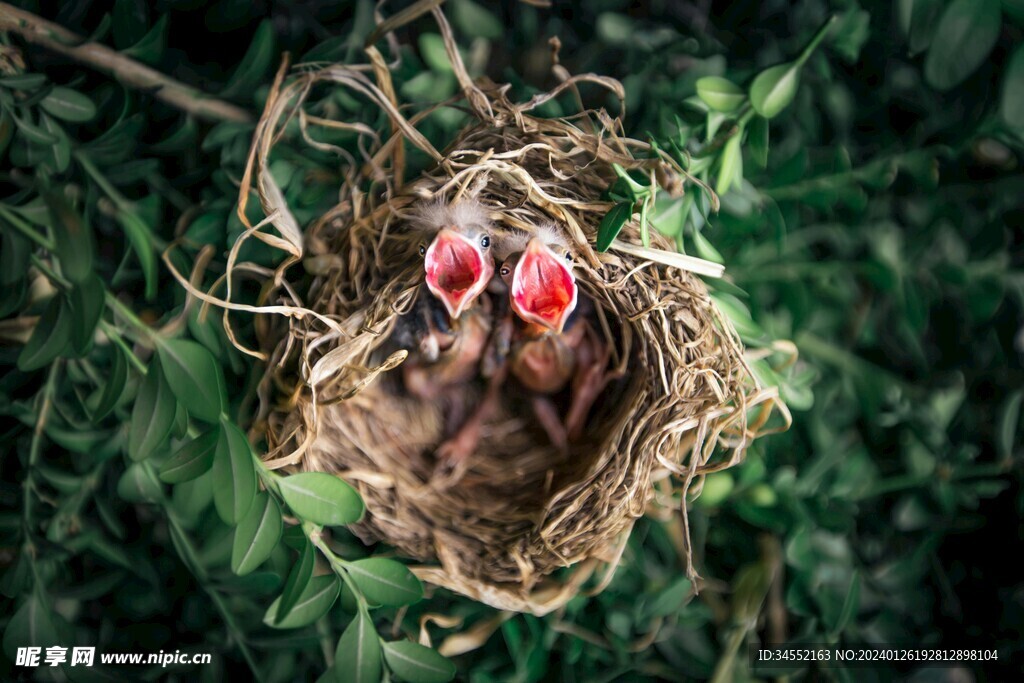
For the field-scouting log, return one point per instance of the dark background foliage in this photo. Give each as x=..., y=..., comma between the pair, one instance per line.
x=880, y=238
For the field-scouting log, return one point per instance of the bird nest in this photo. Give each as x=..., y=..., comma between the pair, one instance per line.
x=527, y=525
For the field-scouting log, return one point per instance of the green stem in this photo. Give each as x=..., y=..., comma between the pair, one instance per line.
x=128, y=314
x=724, y=668
x=904, y=482
x=114, y=335
x=120, y=201
x=745, y=114
x=49, y=272
x=315, y=535
x=108, y=189
x=218, y=600
x=28, y=486
x=25, y=229
x=815, y=41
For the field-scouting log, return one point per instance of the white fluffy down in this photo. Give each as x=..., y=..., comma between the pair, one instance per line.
x=468, y=214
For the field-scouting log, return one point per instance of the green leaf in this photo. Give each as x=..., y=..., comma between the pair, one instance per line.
x=757, y=139
x=611, y=225
x=193, y=459
x=739, y=315
x=672, y=597
x=1009, y=417
x=152, y=415
x=114, y=387
x=476, y=20
x=615, y=29
x=850, y=605
x=967, y=32
x=234, y=474
x=434, y=53
x=31, y=626
x=731, y=170
x=357, y=659
x=194, y=376
x=851, y=33
x=716, y=490
x=298, y=578
x=141, y=239
x=86, y=301
x=1015, y=9
x=151, y=46
x=256, y=535
x=314, y=602
x=773, y=89
x=129, y=22
x=671, y=213
x=705, y=249
x=17, y=577
x=72, y=237
x=33, y=133
x=50, y=337
x=23, y=81
x=69, y=105
x=185, y=136
x=15, y=251
x=385, y=581
x=414, y=663
x=918, y=19
x=180, y=428
x=254, y=64
x=186, y=552
x=139, y=484
x=60, y=151
x=1011, y=107
x=192, y=498
x=321, y=498
x=714, y=121
x=720, y=94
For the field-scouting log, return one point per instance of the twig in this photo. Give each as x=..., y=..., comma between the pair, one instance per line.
x=56, y=38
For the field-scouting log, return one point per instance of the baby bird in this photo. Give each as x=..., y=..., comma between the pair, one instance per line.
x=457, y=261
x=553, y=345
x=443, y=353
x=449, y=331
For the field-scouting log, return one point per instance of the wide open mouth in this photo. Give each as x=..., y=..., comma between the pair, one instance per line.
x=543, y=288
x=456, y=270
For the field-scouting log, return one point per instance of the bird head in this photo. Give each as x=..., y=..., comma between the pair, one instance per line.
x=457, y=260
x=542, y=287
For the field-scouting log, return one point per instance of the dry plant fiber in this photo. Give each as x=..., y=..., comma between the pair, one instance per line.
x=527, y=526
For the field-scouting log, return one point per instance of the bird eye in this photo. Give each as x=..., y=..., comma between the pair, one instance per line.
x=505, y=270
x=485, y=241
x=568, y=256
x=423, y=250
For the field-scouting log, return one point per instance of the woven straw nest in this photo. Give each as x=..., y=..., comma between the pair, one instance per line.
x=684, y=402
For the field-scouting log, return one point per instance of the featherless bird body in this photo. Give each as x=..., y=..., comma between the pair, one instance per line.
x=449, y=328
x=553, y=344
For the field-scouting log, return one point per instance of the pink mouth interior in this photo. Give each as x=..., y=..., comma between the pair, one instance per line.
x=547, y=288
x=454, y=267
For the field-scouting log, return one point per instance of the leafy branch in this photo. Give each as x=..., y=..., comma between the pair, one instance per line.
x=58, y=39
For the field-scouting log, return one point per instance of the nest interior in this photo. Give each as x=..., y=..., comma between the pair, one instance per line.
x=331, y=399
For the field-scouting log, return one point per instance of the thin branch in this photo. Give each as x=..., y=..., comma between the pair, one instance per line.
x=56, y=38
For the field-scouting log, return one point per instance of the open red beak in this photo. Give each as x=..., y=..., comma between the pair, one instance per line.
x=543, y=287
x=457, y=270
